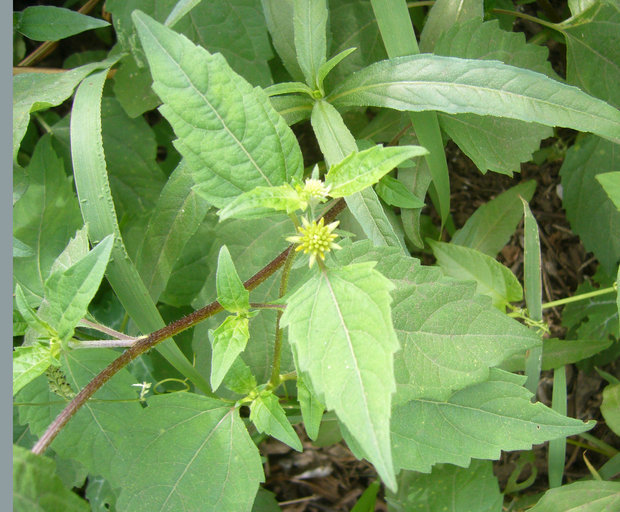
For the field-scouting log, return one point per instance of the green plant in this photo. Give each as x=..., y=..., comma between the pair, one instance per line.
x=415, y=362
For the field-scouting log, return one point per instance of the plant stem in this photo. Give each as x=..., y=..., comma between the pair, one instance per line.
x=147, y=342
x=522, y=15
x=576, y=298
x=261, y=305
x=102, y=343
x=274, y=381
x=106, y=330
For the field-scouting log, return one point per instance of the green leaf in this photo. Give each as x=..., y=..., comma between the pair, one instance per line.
x=352, y=23
x=38, y=91
x=21, y=250
x=610, y=181
x=437, y=320
x=232, y=142
x=181, y=8
x=279, y=17
x=132, y=88
x=395, y=193
x=100, y=425
x=239, y=378
x=29, y=363
x=37, y=488
x=578, y=6
x=30, y=316
x=557, y=353
x=367, y=501
x=336, y=143
x=176, y=441
x=610, y=408
x=292, y=108
x=592, y=318
x=234, y=28
x=448, y=488
x=589, y=210
x=445, y=14
x=592, y=48
x=326, y=67
x=309, y=25
x=68, y=293
x=177, y=215
x=44, y=218
x=263, y=202
x=48, y=23
x=360, y=170
x=592, y=496
x=311, y=409
x=476, y=422
x=492, y=278
x=493, y=223
x=100, y=495
x=97, y=206
x=341, y=330
x=268, y=416
x=76, y=249
x=231, y=293
x=494, y=143
x=228, y=341
x=288, y=88
x=452, y=85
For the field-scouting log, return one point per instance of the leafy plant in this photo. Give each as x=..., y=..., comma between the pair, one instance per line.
x=337, y=320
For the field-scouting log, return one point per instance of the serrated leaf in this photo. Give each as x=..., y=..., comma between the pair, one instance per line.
x=45, y=218
x=37, y=488
x=29, y=363
x=589, y=210
x=239, y=378
x=231, y=293
x=452, y=85
x=394, y=193
x=592, y=496
x=476, y=422
x=268, y=416
x=176, y=441
x=610, y=408
x=38, y=91
x=448, y=488
x=340, y=327
x=68, y=293
x=362, y=169
x=176, y=217
x=610, y=181
x=228, y=341
x=49, y=23
x=76, y=249
x=492, y=224
x=491, y=277
x=309, y=26
x=311, y=409
x=592, y=49
x=263, y=202
x=437, y=320
x=232, y=142
x=494, y=143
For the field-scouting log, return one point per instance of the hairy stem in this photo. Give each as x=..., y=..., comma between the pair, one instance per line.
x=148, y=342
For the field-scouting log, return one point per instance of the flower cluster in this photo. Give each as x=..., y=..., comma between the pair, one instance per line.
x=314, y=191
x=315, y=238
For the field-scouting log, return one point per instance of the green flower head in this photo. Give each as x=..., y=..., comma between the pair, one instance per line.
x=315, y=238
x=314, y=191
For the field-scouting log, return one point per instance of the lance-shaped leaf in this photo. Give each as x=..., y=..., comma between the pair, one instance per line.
x=228, y=341
x=230, y=135
x=49, y=23
x=311, y=409
x=68, y=293
x=37, y=487
x=492, y=278
x=341, y=330
x=476, y=422
x=269, y=417
x=231, y=293
x=590, y=496
x=360, y=170
x=453, y=85
x=262, y=202
x=188, y=452
x=395, y=193
x=310, y=24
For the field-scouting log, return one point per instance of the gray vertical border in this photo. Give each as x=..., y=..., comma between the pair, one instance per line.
x=6, y=257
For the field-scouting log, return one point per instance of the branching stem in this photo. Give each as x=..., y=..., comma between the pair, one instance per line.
x=148, y=342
